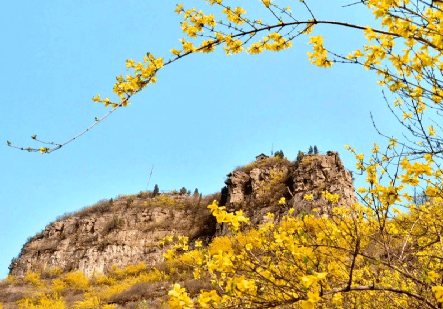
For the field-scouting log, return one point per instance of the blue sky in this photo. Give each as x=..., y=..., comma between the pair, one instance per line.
x=206, y=115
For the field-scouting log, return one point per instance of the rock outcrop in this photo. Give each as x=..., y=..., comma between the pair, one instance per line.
x=129, y=229
x=257, y=187
x=121, y=232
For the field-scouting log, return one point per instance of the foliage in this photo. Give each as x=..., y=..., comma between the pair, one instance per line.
x=156, y=190
x=60, y=292
x=279, y=154
x=299, y=156
x=268, y=162
x=164, y=201
x=384, y=252
x=42, y=301
x=33, y=278
x=326, y=261
x=76, y=280
x=404, y=52
x=366, y=253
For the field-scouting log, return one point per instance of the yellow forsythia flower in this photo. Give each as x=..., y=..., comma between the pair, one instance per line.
x=308, y=197
x=438, y=290
x=432, y=275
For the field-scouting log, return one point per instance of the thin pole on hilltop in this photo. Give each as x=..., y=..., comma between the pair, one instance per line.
x=149, y=180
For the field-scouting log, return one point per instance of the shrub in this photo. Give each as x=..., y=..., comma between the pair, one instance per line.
x=299, y=156
x=59, y=285
x=141, y=291
x=11, y=280
x=112, y=225
x=42, y=301
x=89, y=303
x=164, y=201
x=71, y=296
x=33, y=278
x=76, y=280
x=51, y=272
x=133, y=270
x=101, y=207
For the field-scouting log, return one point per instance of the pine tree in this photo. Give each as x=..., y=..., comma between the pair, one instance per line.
x=183, y=190
x=311, y=151
x=315, y=149
x=196, y=194
x=299, y=156
x=279, y=154
x=156, y=190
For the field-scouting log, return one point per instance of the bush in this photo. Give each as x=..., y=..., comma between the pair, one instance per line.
x=133, y=270
x=42, y=301
x=51, y=272
x=76, y=280
x=112, y=225
x=141, y=291
x=33, y=278
x=101, y=207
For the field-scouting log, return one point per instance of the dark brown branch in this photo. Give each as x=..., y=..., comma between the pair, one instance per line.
x=381, y=288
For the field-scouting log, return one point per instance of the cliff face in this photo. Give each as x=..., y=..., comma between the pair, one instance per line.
x=121, y=232
x=129, y=229
x=257, y=187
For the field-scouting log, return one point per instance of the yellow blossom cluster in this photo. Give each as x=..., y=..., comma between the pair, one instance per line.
x=233, y=219
x=235, y=15
x=179, y=298
x=333, y=198
x=320, y=55
x=195, y=22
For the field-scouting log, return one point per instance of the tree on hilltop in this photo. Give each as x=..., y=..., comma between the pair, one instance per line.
x=299, y=156
x=311, y=150
x=279, y=154
x=156, y=190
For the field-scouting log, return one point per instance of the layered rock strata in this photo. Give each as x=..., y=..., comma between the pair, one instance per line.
x=122, y=232
x=129, y=229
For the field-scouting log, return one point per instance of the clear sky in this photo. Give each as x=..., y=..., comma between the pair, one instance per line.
x=206, y=115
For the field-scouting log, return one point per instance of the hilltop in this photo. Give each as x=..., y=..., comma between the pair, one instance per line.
x=116, y=246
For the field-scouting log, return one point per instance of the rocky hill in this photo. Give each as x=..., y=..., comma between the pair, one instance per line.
x=121, y=232
x=257, y=187
x=129, y=230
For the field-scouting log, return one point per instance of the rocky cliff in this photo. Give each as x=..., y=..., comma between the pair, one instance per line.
x=257, y=187
x=121, y=232
x=128, y=230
